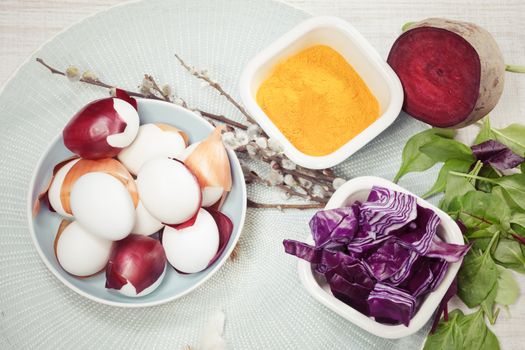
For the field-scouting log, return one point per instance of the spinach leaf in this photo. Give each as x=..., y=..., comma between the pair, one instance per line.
x=448, y=334
x=508, y=288
x=441, y=182
x=512, y=136
x=413, y=159
x=517, y=223
x=476, y=334
x=508, y=253
x=443, y=149
x=477, y=276
x=456, y=186
x=514, y=186
x=485, y=132
x=488, y=304
x=479, y=210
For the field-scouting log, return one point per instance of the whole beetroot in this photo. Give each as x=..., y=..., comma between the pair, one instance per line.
x=452, y=72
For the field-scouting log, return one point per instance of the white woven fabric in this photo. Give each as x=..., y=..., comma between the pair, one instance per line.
x=260, y=294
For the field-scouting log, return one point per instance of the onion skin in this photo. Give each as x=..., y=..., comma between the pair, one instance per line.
x=108, y=165
x=87, y=132
x=225, y=226
x=138, y=259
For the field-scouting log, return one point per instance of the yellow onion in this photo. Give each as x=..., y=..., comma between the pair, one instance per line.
x=210, y=163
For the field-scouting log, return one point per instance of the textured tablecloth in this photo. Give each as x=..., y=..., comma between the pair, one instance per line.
x=40, y=313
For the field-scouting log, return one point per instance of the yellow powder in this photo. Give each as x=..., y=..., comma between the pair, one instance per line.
x=317, y=100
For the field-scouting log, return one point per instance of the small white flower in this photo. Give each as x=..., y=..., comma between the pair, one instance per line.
x=73, y=73
x=89, y=75
x=262, y=142
x=275, y=145
x=204, y=83
x=179, y=101
x=318, y=191
x=229, y=140
x=113, y=92
x=305, y=183
x=166, y=90
x=300, y=190
x=275, y=178
x=242, y=137
x=274, y=165
x=268, y=152
x=288, y=164
x=253, y=131
x=338, y=182
x=251, y=149
x=289, y=180
x=147, y=83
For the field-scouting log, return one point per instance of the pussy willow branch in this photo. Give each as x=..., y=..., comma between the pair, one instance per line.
x=216, y=86
x=217, y=117
x=252, y=204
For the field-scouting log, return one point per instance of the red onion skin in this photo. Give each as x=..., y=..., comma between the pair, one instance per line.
x=138, y=259
x=225, y=226
x=124, y=96
x=87, y=132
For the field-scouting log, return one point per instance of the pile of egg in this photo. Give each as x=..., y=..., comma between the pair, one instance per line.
x=130, y=184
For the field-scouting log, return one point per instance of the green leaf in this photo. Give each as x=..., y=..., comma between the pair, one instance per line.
x=499, y=192
x=512, y=136
x=456, y=186
x=480, y=210
x=441, y=182
x=477, y=276
x=443, y=149
x=509, y=253
x=508, y=288
x=476, y=334
x=485, y=132
x=514, y=186
x=448, y=335
x=517, y=223
x=413, y=159
x=489, y=172
x=488, y=304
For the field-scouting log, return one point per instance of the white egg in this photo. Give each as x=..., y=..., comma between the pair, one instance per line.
x=103, y=206
x=188, y=151
x=151, y=142
x=56, y=188
x=210, y=195
x=190, y=249
x=145, y=223
x=168, y=190
x=129, y=290
x=81, y=253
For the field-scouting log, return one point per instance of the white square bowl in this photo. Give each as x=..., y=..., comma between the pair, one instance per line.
x=345, y=39
x=358, y=189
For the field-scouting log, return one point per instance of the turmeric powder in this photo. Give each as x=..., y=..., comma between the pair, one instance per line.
x=317, y=100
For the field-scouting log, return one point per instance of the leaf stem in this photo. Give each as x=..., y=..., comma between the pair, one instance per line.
x=514, y=68
x=469, y=176
x=406, y=26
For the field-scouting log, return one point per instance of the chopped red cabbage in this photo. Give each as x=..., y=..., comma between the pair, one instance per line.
x=387, y=302
x=387, y=260
x=381, y=257
x=353, y=294
x=404, y=271
x=419, y=233
x=446, y=251
x=497, y=155
x=335, y=225
x=385, y=211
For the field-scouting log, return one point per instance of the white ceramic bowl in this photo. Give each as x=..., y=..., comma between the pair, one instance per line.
x=346, y=40
x=357, y=190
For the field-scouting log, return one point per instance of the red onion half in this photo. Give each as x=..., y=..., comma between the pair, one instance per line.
x=103, y=127
x=137, y=266
x=225, y=226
